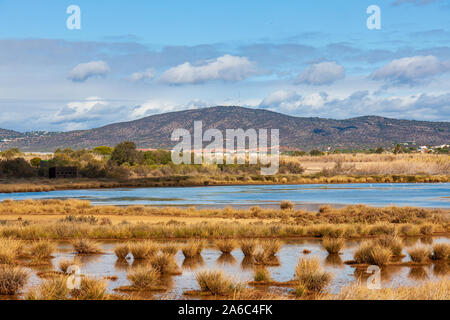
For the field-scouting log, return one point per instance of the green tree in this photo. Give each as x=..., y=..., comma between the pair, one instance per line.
x=125, y=152
x=379, y=150
x=103, y=150
x=35, y=162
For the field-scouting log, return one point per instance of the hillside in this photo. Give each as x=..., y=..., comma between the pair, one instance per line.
x=295, y=132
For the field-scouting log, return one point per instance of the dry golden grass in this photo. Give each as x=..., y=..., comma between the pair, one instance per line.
x=12, y=279
x=50, y=289
x=441, y=251
x=271, y=247
x=226, y=246
x=419, y=254
x=121, y=250
x=170, y=249
x=144, y=277
x=370, y=253
x=86, y=246
x=433, y=290
x=193, y=248
x=286, y=205
x=248, y=246
x=333, y=245
x=261, y=274
x=164, y=263
x=310, y=276
x=391, y=242
x=90, y=289
x=143, y=249
x=216, y=283
x=41, y=250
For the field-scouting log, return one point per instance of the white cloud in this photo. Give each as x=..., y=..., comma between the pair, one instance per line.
x=411, y=70
x=141, y=76
x=322, y=74
x=226, y=68
x=84, y=71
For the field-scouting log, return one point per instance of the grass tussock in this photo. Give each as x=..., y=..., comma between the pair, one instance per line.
x=170, y=249
x=143, y=249
x=333, y=245
x=226, y=246
x=193, y=248
x=432, y=290
x=65, y=264
x=121, y=250
x=41, y=250
x=391, y=242
x=310, y=276
x=419, y=254
x=164, y=263
x=50, y=289
x=261, y=275
x=216, y=283
x=9, y=250
x=86, y=246
x=90, y=289
x=248, y=246
x=143, y=277
x=373, y=254
x=441, y=251
x=271, y=247
x=286, y=205
x=12, y=279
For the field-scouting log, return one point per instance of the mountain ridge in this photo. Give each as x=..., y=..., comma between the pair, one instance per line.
x=295, y=132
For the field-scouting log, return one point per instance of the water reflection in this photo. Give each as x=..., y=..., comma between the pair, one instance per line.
x=418, y=273
x=334, y=260
x=193, y=263
x=226, y=258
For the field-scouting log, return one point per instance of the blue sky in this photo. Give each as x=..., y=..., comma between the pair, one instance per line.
x=136, y=58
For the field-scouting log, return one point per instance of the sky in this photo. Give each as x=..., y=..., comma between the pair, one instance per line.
x=131, y=59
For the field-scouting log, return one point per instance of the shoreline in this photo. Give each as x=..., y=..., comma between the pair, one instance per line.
x=47, y=185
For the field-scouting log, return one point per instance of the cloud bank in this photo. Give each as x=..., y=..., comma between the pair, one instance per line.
x=324, y=73
x=84, y=71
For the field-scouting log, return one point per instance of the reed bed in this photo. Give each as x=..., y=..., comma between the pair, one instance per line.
x=164, y=263
x=76, y=210
x=391, y=242
x=193, y=249
x=41, y=250
x=205, y=230
x=271, y=247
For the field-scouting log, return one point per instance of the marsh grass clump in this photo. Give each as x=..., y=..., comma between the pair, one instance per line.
x=144, y=277
x=441, y=251
x=248, y=246
x=260, y=257
x=216, y=283
x=90, y=289
x=333, y=245
x=370, y=253
x=41, y=250
x=271, y=247
x=261, y=274
x=419, y=254
x=12, y=279
x=50, y=289
x=65, y=264
x=226, y=246
x=164, y=263
x=394, y=243
x=311, y=276
x=286, y=205
x=7, y=252
x=86, y=246
x=143, y=250
x=427, y=229
x=122, y=250
x=170, y=249
x=193, y=249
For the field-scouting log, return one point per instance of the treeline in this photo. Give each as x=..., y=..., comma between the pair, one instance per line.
x=122, y=162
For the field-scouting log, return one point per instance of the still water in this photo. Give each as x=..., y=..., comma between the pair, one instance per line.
x=306, y=195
